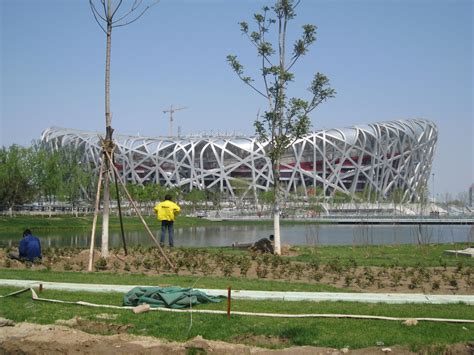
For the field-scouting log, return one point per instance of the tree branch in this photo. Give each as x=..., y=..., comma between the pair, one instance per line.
x=105, y=10
x=114, y=23
x=116, y=8
x=94, y=11
x=252, y=86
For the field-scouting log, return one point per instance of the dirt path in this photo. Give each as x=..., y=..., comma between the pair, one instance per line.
x=27, y=338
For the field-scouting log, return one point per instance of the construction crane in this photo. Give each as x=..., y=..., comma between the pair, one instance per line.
x=171, y=111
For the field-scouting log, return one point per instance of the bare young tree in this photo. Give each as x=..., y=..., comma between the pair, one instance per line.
x=108, y=15
x=286, y=119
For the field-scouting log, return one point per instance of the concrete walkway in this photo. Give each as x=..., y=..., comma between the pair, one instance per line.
x=264, y=295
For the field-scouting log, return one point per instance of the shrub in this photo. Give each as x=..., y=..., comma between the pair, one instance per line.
x=147, y=263
x=352, y=262
x=157, y=263
x=205, y=268
x=314, y=265
x=67, y=265
x=116, y=265
x=101, y=264
x=334, y=266
x=227, y=269
x=414, y=283
x=453, y=282
x=82, y=267
x=244, y=264
x=369, y=276
x=317, y=276
x=137, y=262
x=262, y=272
x=459, y=266
x=298, y=270
x=395, y=277
x=348, y=280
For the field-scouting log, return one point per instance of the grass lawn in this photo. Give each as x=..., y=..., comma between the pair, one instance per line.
x=209, y=282
x=43, y=223
x=429, y=255
x=336, y=333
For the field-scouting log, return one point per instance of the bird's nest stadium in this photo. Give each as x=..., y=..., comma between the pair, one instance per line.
x=378, y=157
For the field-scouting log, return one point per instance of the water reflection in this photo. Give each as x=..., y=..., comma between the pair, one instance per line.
x=301, y=234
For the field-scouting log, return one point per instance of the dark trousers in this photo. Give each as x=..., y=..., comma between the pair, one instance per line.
x=167, y=225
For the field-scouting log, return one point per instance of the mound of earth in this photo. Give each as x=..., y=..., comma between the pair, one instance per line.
x=27, y=338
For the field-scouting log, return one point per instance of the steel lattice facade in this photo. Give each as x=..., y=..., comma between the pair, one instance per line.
x=378, y=157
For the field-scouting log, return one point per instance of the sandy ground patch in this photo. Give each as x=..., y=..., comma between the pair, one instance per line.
x=27, y=338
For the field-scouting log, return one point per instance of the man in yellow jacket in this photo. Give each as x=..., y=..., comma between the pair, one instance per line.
x=166, y=212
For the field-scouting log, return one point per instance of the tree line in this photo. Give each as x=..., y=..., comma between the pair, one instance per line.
x=40, y=174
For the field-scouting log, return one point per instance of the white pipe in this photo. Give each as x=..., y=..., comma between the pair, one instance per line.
x=258, y=314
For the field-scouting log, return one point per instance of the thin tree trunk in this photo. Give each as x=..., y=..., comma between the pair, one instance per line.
x=276, y=228
x=277, y=132
x=108, y=138
x=276, y=207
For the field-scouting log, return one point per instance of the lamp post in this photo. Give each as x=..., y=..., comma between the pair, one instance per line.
x=434, y=195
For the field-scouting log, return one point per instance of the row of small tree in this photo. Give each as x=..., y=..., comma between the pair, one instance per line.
x=38, y=174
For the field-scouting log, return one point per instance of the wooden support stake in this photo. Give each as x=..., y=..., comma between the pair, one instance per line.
x=228, y=302
x=96, y=212
x=140, y=215
x=119, y=210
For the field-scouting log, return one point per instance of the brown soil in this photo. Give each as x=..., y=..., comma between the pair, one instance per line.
x=27, y=338
x=429, y=280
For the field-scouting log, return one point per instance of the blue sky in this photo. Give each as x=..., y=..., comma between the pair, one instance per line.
x=387, y=59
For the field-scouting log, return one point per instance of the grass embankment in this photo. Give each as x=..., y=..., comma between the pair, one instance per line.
x=45, y=223
x=335, y=333
x=210, y=282
x=404, y=255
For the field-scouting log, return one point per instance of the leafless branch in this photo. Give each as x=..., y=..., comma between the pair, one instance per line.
x=95, y=10
x=132, y=21
x=116, y=8
x=137, y=3
x=95, y=13
x=105, y=9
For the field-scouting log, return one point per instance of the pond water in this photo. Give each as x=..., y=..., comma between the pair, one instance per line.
x=301, y=234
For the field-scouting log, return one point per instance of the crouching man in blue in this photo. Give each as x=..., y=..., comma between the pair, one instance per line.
x=30, y=248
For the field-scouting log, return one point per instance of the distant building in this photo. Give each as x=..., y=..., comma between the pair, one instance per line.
x=379, y=157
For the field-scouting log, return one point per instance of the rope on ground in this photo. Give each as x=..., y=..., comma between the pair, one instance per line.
x=240, y=313
x=16, y=292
